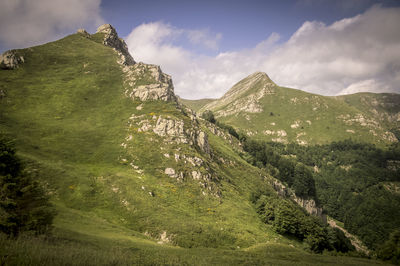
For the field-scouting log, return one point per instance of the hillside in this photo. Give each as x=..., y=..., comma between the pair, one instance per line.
x=126, y=166
x=263, y=110
x=348, y=144
x=195, y=105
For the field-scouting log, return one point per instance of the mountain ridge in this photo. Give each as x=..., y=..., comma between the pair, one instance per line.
x=125, y=164
x=262, y=109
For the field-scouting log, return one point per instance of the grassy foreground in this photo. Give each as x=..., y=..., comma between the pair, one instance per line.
x=70, y=248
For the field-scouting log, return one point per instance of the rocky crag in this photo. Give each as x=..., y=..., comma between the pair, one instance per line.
x=308, y=204
x=147, y=82
x=118, y=44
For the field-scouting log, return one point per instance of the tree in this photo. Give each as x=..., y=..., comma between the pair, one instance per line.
x=209, y=116
x=303, y=182
x=390, y=250
x=24, y=206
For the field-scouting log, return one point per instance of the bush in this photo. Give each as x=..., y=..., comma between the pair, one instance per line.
x=209, y=116
x=24, y=206
x=390, y=250
x=289, y=219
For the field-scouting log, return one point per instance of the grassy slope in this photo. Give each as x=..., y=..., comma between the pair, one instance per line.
x=384, y=107
x=66, y=109
x=319, y=117
x=195, y=105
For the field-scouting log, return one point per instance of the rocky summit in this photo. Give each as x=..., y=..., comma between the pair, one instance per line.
x=111, y=39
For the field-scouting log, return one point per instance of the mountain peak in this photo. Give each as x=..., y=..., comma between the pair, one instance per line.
x=106, y=28
x=254, y=82
x=111, y=39
x=259, y=76
x=244, y=95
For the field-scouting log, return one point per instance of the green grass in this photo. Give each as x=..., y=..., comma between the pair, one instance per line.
x=66, y=108
x=195, y=105
x=320, y=118
x=68, y=247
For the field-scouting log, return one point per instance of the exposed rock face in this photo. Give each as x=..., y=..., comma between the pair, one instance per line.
x=142, y=81
x=173, y=131
x=308, y=204
x=111, y=39
x=172, y=128
x=202, y=142
x=311, y=207
x=10, y=60
x=367, y=122
x=171, y=173
x=157, y=85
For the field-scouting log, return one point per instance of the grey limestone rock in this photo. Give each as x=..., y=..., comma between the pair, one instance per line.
x=10, y=60
x=308, y=204
x=111, y=39
x=159, y=87
x=83, y=32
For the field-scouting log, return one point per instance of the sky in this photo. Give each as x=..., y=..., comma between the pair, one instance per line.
x=321, y=46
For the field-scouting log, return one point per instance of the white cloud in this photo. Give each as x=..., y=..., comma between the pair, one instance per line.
x=205, y=38
x=25, y=23
x=194, y=75
x=369, y=85
x=361, y=53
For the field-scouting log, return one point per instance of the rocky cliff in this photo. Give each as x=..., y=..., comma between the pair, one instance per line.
x=147, y=83
x=111, y=39
x=308, y=204
x=142, y=81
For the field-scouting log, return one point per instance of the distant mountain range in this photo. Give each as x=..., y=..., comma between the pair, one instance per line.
x=263, y=110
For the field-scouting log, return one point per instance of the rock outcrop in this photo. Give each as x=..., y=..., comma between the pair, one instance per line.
x=148, y=82
x=142, y=81
x=308, y=204
x=111, y=39
x=83, y=32
x=10, y=60
x=172, y=130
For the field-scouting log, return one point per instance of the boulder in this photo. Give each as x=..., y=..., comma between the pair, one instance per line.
x=10, y=60
x=83, y=32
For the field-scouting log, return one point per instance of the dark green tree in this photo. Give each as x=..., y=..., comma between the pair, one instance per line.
x=24, y=206
x=209, y=116
x=303, y=182
x=390, y=250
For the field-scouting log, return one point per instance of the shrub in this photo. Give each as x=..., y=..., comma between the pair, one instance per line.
x=24, y=206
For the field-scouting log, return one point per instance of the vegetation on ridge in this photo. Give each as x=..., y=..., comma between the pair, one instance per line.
x=24, y=206
x=106, y=176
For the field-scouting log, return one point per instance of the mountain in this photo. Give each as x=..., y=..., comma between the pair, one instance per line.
x=195, y=105
x=354, y=166
x=263, y=110
x=136, y=177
